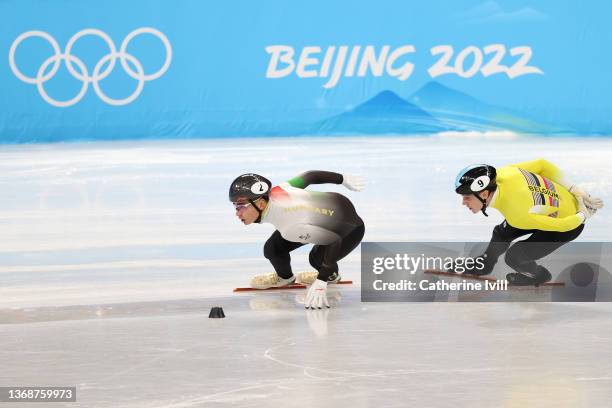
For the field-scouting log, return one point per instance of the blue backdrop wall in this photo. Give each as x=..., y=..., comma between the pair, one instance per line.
x=85, y=70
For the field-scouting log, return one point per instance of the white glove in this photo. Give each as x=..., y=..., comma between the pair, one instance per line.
x=582, y=208
x=591, y=203
x=317, y=295
x=353, y=182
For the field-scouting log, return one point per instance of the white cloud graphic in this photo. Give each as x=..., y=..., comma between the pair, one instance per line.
x=491, y=12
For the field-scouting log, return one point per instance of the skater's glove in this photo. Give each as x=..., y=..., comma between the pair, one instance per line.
x=585, y=210
x=590, y=202
x=353, y=182
x=593, y=202
x=316, y=297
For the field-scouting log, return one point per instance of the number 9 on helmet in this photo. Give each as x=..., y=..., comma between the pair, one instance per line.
x=475, y=178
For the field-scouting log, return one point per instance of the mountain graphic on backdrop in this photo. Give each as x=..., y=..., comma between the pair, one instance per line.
x=433, y=108
x=459, y=110
x=386, y=113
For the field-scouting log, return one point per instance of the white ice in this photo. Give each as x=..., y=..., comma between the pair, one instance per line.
x=111, y=255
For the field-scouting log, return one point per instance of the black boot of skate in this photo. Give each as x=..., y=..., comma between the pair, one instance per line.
x=528, y=279
x=334, y=278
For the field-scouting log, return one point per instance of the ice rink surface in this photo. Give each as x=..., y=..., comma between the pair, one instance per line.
x=111, y=255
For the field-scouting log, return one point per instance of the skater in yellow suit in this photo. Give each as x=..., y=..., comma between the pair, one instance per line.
x=535, y=199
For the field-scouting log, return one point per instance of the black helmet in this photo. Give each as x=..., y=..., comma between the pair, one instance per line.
x=249, y=187
x=474, y=179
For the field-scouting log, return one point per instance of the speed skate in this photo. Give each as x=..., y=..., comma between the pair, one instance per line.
x=271, y=281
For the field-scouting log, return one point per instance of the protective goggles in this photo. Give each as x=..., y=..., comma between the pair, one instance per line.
x=241, y=206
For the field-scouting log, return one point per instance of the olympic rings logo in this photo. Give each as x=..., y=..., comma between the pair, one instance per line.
x=82, y=73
